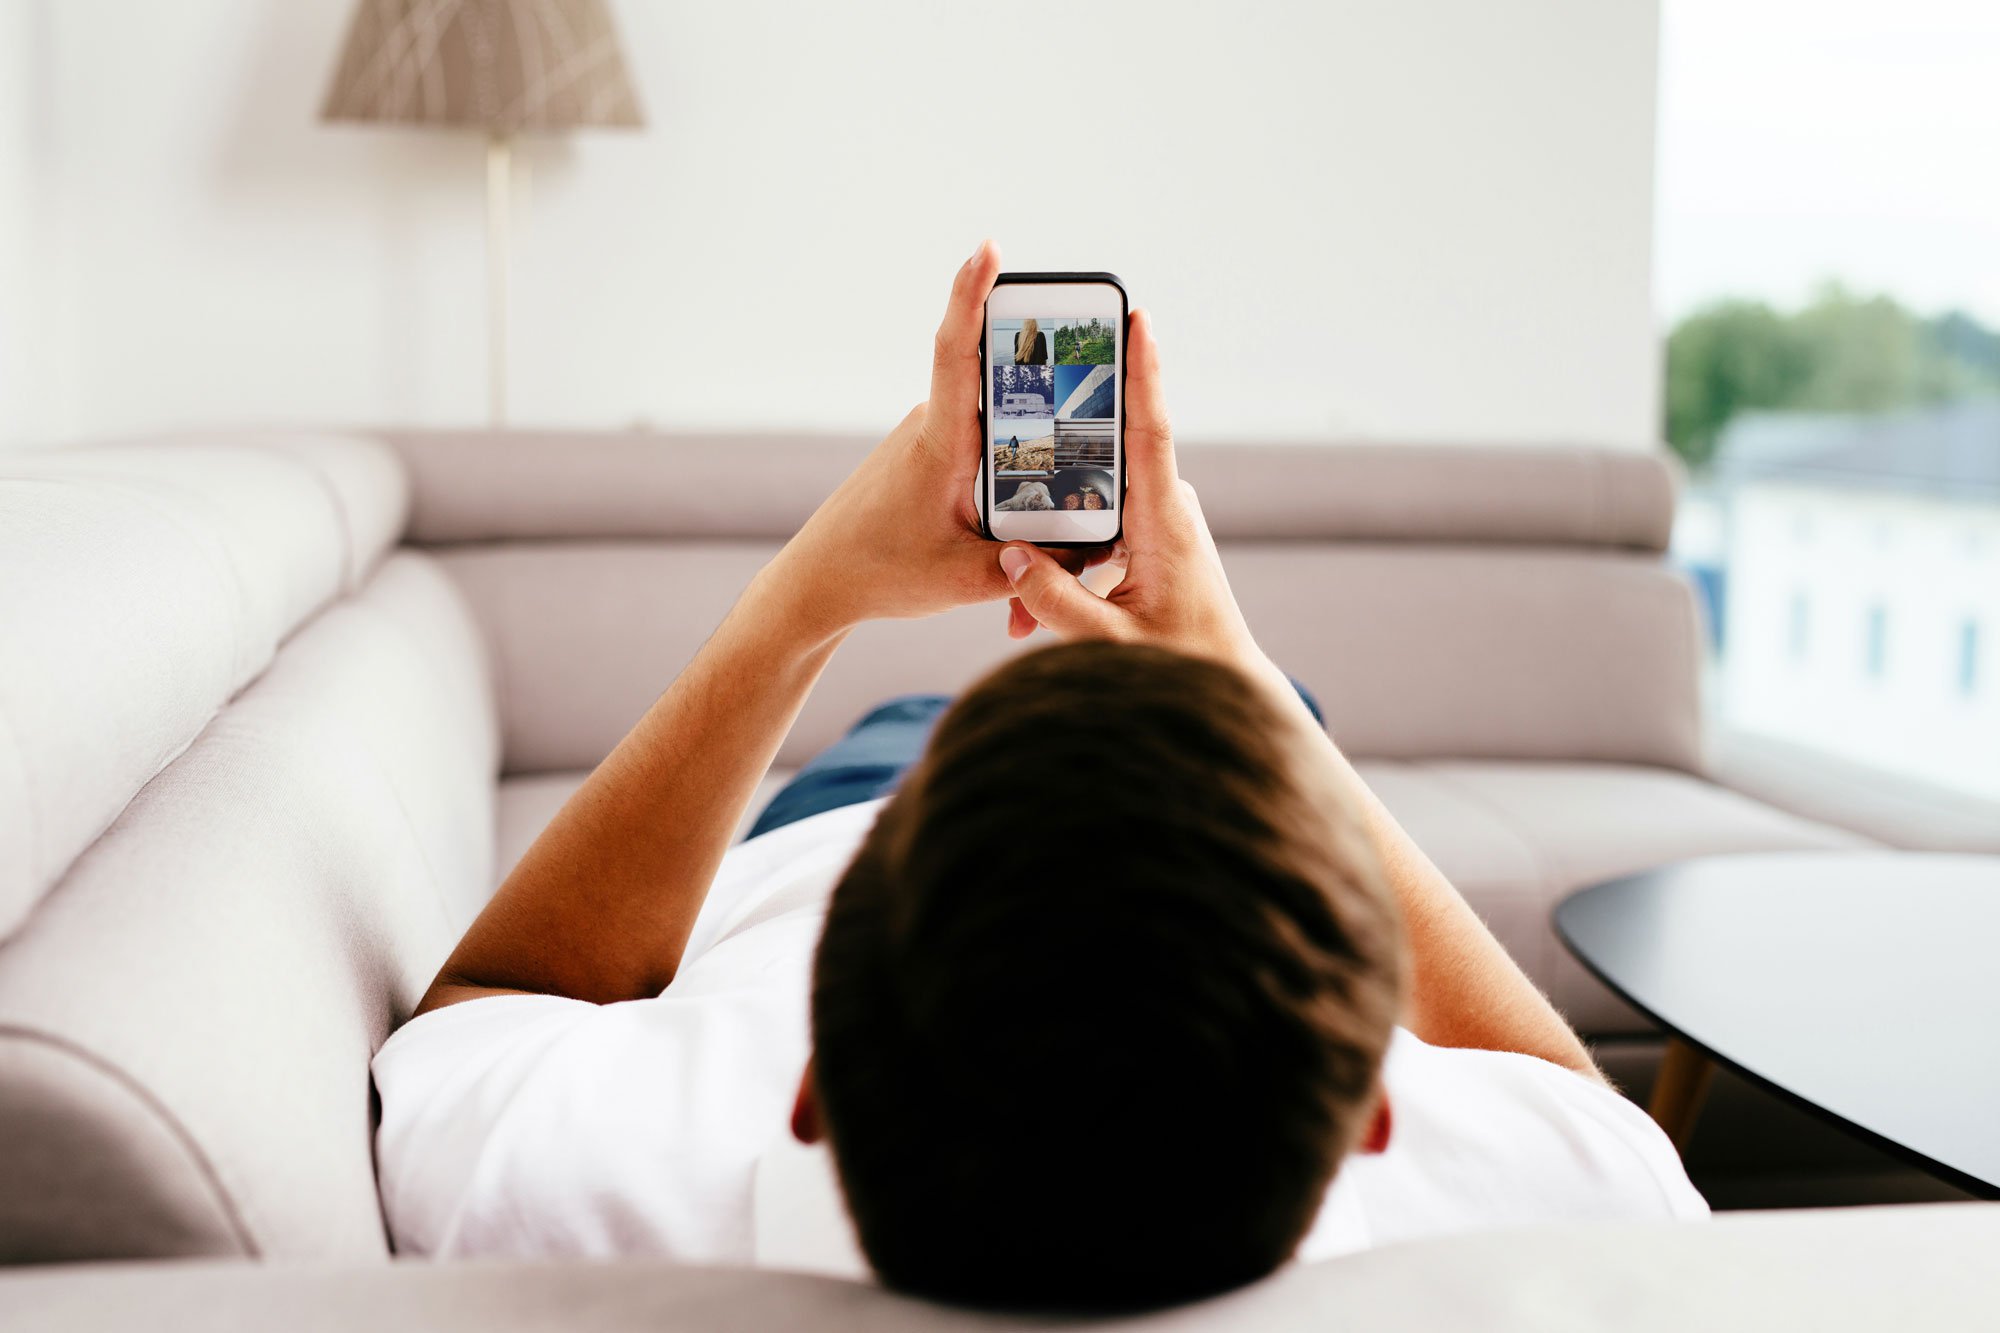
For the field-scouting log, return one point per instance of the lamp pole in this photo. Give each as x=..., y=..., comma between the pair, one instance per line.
x=504, y=67
x=499, y=173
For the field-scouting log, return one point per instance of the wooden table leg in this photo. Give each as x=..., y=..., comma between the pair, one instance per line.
x=1678, y=1090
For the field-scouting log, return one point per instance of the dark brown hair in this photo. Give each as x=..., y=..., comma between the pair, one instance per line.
x=1100, y=1003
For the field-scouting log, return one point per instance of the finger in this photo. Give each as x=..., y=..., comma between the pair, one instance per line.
x=1053, y=597
x=955, y=364
x=1106, y=578
x=1149, y=438
x=1195, y=521
x=971, y=573
x=1019, y=623
x=1112, y=553
x=1075, y=559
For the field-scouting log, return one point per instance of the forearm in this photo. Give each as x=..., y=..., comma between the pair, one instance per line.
x=601, y=906
x=1465, y=991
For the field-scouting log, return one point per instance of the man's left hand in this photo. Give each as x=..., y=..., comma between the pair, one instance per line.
x=901, y=538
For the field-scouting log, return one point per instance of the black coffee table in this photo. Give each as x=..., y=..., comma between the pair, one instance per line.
x=1863, y=986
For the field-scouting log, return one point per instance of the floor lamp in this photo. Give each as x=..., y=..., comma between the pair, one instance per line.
x=499, y=67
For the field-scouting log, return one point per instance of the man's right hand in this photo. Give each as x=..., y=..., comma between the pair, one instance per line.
x=1174, y=593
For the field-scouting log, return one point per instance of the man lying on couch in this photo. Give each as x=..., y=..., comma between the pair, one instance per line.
x=1130, y=993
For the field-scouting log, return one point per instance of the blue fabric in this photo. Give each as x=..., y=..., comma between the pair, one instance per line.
x=870, y=760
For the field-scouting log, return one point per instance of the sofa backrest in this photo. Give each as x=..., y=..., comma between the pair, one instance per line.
x=248, y=757
x=1462, y=602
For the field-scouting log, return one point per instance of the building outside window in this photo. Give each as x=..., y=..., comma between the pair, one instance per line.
x=1878, y=641
x=1801, y=626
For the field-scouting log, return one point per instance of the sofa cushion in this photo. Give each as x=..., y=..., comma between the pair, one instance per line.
x=146, y=583
x=186, y=1019
x=1422, y=652
x=524, y=806
x=1894, y=809
x=1518, y=838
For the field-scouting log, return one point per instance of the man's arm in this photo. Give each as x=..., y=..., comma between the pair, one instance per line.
x=1465, y=990
x=601, y=906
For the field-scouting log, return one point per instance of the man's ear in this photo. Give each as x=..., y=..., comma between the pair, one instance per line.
x=805, y=1110
x=1374, y=1139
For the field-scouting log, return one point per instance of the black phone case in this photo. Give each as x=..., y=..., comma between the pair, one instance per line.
x=985, y=473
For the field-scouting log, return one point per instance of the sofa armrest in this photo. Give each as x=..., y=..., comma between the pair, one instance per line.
x=1898, y=811
x=1842, y=1270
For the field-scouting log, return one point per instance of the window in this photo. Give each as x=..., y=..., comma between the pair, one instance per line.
x=1829, y=300
x=1876, y=652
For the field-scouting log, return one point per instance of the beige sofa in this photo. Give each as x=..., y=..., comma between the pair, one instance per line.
x=277, y=711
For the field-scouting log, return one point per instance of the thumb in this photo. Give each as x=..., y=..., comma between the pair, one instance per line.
x=1054, y=596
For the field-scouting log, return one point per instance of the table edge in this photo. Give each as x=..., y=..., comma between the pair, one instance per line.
x=1944, y=1171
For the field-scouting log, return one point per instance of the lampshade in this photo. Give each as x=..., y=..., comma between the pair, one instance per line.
x=501, y=66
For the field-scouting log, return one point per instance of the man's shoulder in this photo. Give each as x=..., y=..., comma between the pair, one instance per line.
x=1420, y=1064
x=1470, y=1091
x=511, y=1125
x=1483, y=1138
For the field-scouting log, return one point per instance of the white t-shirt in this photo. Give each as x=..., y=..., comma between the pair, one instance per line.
x=530, y=1126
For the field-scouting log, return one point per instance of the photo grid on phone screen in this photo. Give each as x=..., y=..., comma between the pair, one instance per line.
x=1054, y=436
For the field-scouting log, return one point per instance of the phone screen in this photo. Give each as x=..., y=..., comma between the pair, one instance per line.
x=1054, y=409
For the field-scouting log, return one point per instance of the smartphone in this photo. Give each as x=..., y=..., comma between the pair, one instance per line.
x=1053, y=410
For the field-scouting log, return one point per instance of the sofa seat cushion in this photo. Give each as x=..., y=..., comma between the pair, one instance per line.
x=1517, y=838
x=526, y=804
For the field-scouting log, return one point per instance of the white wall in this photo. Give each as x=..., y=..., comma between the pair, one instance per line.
x=1418, y=220
x=23, y=122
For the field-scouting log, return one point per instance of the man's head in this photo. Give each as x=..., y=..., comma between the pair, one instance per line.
x=1102, y=1001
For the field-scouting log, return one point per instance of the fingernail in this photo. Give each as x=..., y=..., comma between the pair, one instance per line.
x=1014, y=562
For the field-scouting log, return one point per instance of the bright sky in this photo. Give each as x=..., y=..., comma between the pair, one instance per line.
x=1806, y=139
